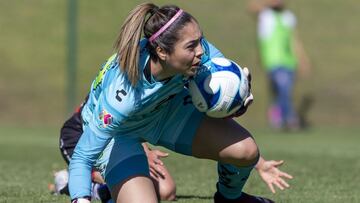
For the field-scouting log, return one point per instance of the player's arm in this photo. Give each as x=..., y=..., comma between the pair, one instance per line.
x=86, y=152
x=97, y=134
x=271, y=174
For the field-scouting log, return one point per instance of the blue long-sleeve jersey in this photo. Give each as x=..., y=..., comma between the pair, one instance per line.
x=115, y=108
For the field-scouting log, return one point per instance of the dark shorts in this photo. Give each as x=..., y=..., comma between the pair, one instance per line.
x=70, y=134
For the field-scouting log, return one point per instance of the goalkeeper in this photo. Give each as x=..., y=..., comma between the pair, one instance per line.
x=139, y=95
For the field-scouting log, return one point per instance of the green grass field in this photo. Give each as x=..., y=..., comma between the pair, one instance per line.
x=324, y=162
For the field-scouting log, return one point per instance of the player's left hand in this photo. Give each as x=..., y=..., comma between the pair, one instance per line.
x=249, y=99
x=271, y=174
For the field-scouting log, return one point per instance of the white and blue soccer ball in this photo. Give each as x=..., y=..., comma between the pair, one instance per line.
x=219, y=88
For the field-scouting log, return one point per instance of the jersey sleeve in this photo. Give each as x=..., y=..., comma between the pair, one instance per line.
x=85, y=154
x=104, y=124
x=110, y=106
x=210, y=51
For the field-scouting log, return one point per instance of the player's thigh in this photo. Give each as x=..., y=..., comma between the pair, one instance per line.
x=164, y=184
x=224, y=140
x=127, y=168
x=137, y=189
x=190, y=132
x=180, y=124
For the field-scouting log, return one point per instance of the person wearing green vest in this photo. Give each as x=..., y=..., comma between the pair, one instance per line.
x=281, y=53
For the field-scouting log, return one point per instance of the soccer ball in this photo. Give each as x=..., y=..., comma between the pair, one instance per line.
x=219, y=88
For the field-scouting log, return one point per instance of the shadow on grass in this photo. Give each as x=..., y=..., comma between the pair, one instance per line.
x=193, y=197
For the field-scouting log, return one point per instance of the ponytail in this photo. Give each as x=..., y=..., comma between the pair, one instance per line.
x=164, y=23
x=127, y=42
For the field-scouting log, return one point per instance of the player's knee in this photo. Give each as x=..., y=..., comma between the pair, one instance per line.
x=168, y=193
x=250, y=156
x=244, y=153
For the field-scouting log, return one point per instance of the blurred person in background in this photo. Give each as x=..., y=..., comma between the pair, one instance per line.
x=282, y=56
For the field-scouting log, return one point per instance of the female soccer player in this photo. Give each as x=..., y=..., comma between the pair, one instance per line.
x=139, y=95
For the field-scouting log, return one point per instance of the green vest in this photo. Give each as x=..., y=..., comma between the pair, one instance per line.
x=277, y=49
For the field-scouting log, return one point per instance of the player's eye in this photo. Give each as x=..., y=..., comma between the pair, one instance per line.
x=193, y=44
x=191, y=47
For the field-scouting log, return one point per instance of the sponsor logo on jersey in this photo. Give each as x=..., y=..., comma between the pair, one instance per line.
x=106, y=118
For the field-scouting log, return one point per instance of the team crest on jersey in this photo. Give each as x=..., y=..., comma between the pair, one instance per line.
x=106, y=118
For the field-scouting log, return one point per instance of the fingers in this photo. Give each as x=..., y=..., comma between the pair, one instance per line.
x=158, y=162
x=247, y=73
x=277, y=163
x=153, y=173
x=274, y=177
x=160, y=170
x=271, y=187
x=286, y=175
x=160, y=153
x=284, y=183
x=155, y=163
x=281, y=173
x=156, y=166
x=249, y=100
x=281, y=187
x=155, y=155
x=157, y=171
x=279, y=183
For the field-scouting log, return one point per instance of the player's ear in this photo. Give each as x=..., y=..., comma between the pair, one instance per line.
x=161, y=53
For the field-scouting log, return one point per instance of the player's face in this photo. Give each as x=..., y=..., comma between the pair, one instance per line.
x=187, y=52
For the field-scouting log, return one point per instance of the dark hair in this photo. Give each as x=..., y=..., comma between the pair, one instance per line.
x=169, y=37
x=136, y=24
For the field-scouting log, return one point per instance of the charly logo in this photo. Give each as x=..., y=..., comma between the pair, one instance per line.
x=106, y=118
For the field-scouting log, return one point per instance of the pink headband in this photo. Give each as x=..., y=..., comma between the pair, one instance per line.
x=163, y=28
